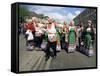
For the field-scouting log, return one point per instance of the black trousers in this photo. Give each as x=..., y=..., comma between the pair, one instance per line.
x=80, y=39
x=38, y=41
x=53, y=46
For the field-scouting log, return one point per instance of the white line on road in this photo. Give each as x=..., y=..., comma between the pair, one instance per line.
x=48, y=64
x=39, y=62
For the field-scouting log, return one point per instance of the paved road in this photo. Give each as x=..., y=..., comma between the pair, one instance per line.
x=72, y=60
x=27, y=59
x=35, y=60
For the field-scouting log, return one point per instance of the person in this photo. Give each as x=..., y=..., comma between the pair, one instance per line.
x=19, y=28
x=24, y=27
x=89, y=37
x=32, y=26
x=29, y=39
x=80, y=33
x=58, y=33
x=72, y=37
x=38, y=36
x=65, y=28
x=52, y=40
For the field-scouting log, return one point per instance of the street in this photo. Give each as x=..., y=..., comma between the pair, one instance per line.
x=35, y=60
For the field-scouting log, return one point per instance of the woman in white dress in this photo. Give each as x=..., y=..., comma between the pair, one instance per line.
x=52, y=39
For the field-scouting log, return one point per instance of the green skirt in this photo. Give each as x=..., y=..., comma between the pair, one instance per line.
x=72, y=38
x=88, y=41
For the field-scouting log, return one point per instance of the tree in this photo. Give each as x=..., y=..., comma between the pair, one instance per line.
x=23, y=12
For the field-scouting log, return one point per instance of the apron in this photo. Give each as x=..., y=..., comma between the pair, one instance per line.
x=72, y=39
x=52, y=37
x=38, y=32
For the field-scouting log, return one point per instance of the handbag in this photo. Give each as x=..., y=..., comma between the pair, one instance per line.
x=58, y=47
x=44, y=45
x=30, y=47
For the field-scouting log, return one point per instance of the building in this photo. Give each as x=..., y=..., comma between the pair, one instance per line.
x=87, y=14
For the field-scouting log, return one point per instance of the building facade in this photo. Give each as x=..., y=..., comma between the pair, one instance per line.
x=87, y=14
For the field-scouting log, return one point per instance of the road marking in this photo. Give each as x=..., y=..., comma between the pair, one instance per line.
x=37, y=65
x=48, y=64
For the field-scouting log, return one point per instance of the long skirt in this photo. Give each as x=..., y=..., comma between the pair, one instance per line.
x=88, y=45
x=72, y=42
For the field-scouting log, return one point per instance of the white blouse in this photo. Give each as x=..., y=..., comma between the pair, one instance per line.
x=52, y=29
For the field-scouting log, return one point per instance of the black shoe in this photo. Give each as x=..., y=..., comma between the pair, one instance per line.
x=47, y=57
x=54, y=57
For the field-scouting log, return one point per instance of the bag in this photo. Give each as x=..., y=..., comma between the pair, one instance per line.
x=29, y=35
x=52, y=37
x=44, y=45
x=30, y=48
x=58, y=48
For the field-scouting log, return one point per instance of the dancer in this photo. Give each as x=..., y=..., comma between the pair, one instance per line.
x=89, y=37
x=72, y=37
x=52, y=40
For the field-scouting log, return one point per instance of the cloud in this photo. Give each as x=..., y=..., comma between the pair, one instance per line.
x=59, y=13
x=56, y=16
x=52, y=12
x=70, y=17
x=42, y=9
x=77, y=12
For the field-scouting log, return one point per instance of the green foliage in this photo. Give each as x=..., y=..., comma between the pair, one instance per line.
x=23, y=12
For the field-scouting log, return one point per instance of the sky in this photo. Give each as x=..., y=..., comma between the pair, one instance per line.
x=59, y=13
